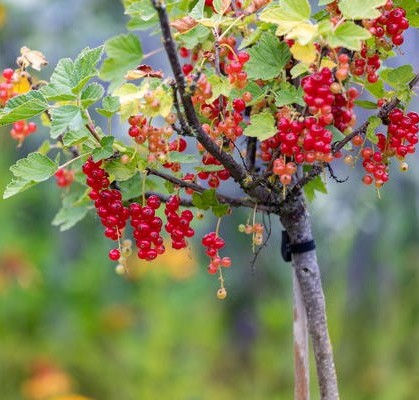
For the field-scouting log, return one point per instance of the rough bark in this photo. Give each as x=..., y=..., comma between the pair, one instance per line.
x=295, y=219
x=301, y=350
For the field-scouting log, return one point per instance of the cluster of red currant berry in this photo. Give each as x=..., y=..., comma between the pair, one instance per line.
x=147, y=228
x=178, y=224
x=6, y=87
x=366, y=62
x=22, y=129
x=401, y=139
x=392, y=23
x=214, y=243
x=64, y=177
x=256, y=230
x=234, y=69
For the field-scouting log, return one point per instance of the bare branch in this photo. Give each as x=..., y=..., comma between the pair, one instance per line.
x=232, y=201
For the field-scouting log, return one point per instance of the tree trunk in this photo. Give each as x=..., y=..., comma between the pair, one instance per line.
x=301, y=351
x=295, y=219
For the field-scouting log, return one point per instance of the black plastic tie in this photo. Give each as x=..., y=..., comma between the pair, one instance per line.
x=288, y=249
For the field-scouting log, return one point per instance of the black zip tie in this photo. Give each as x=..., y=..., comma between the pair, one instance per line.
x=288, y=249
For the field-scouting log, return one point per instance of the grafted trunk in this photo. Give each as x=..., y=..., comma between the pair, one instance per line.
x=295, y=219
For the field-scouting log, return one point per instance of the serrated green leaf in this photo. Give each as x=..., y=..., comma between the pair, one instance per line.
x=91, y=94
x=124, y=52
x=250, y=39
x=298, y=69
x=72, y=211
x=288, y=94
x=85, y=67
x=35, y=167
x=316, y=185
x=63, y=118
x=142, y=13
x=21, y=107
x=373, y=123
x=121, y=172
x=70, y=77
x=369, y=105
x=376, y=89
x=56, y=92
x=131, y=188
x=197, y=11
x=399, y=77
x=181, y=158
x=360, y=9
x=348, y=35
x=262, y=126
x=192, y=38
x=75, y=137
x=205, y=200
x=209, y=168
x=110, y=106
x=105, y=150
x=267, y=58
x=220, y=210
x=17, y=186
x=220, y=85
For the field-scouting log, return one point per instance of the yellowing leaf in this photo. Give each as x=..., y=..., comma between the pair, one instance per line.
x=31, y=58
x=129, y=97
x=21, y=84
x=221, y=6
x=161, y=106
x=306, y=54
x=327, y=63
x=303, y=33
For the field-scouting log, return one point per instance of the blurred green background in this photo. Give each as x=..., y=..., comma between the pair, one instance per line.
x=70, y=326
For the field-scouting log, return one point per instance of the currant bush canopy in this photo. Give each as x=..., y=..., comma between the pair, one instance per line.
x=264, y=95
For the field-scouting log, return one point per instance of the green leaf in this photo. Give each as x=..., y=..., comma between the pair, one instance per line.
x=221, y=6
x=289, y=94
x=197, y=11
x=181, y=158
x=17, y=186
x=325, y=2
x=192, y=38
x=74, y=137
x=267, y=58
x=315, y=185
x=373, y=123
x=72, y=211
x=220, y=210
x=121, y=172
x=369, y=105
x=55, y=92
x=361, y=9
x=110, y=106
x=209, y=168
x=131, y=188
x=63, y=118
x=35, y=167
x=262, y=126
x=124, y=52
x=399, y=77
x=91, y=94
x=348, y=35
x=376, y=89
x=220, y=85
x=70, y=77
x=250, y=39
x=29, y=171
x=105, y=150
x=142, y=13
x=21, y=107
x=85, y=67
x=298, y=69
